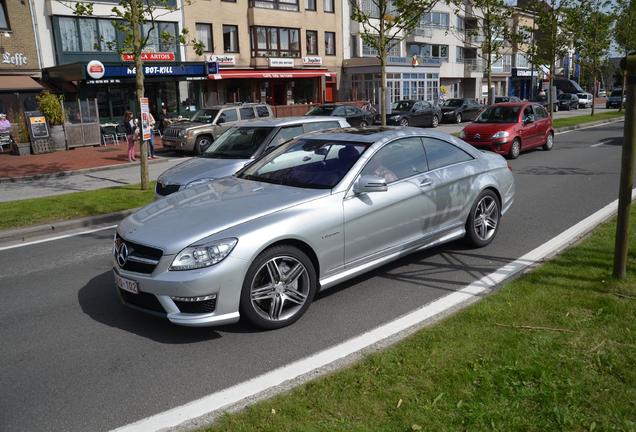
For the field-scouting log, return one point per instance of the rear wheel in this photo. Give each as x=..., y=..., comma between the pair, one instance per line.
x=435, y=121
x=363, y=124
x=515, y=149
x=202, y=143
x=483, y=221
x=404, y=122
x=458, y=118
x=278, y=287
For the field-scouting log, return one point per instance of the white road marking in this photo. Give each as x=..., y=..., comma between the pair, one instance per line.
x=270, y=380
x=48, y=239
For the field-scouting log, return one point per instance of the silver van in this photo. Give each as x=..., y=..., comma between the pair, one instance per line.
x=238, y=146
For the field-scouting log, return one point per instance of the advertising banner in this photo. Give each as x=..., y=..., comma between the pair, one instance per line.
x=146, y=129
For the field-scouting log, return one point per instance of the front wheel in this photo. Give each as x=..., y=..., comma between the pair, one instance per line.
x=458, y=118
x=483, y=221
x=435, y=121
x=549, y=142
x=515, y=149
x=404, y=122
x=363, y=124
x=278, y=287
x=202, y=143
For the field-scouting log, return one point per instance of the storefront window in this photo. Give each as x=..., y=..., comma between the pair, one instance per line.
x=188, y=96
x=304, y=91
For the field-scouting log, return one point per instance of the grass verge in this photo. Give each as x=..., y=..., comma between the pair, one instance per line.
x=16, y=214
x=553, y=350
x=582, y=119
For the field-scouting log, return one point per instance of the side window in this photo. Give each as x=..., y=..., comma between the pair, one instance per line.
x=351, y=111
x=340, y=111
x=262, y=111
x=285, y=134
x=247, y=113
x=229, y=115
x=316, y=126
x=398, y=160
x=540, y=112
x=527, y=111
x=441, y=153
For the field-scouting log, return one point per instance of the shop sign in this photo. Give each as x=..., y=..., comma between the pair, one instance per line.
x=38, y=128
x=281, y=62
x=103, y=81
x=149, y=57
x=521, y=72
x=222, y=59
x=187, y=70
x=312, y=61
x=17, y=59
x=95, y=69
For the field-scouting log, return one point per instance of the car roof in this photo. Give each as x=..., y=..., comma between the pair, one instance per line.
x=286, y=121
x=513, y=103
x=376, y=133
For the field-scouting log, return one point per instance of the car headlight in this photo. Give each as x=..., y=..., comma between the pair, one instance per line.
x=182, y=133
x=501, y=134
x=462, y=134
x=197, y=182
x=395, y=117
x=205, y=255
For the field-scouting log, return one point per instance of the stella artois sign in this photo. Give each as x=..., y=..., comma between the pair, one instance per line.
x=149, y=57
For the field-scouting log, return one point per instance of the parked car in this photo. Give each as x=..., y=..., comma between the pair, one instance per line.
x=354, y=115
x=509, y=128
x=238, y=146
x=585, y=100
x=502, y=99
x=414, y=113
x=602, y=93
x=543, y=101
x=208, y=124
x=568, y=101
x=314, y=212
x=615, y=98
x=459, y=110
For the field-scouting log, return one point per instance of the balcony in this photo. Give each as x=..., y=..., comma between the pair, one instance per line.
x=498, y=69
x=423, y=31
x=473, y=66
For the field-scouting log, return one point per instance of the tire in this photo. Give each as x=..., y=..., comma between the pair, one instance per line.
x=277, y=304
x=458, y=118
x=363, y=124
x=201, y=144
x=549, y=142
x=515, y=149
x=435, y=121
x=483, y=221
x=404, y=122
x=556, y=108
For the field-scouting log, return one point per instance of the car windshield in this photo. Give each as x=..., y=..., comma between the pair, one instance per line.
x=306, y=163
x=205, y=116
x=238, y=143
x=565, y=96
x=617, y=93
x=402, y=106
x=453, y=103
x=321, y=111
x=501, y=99
x=499, y=114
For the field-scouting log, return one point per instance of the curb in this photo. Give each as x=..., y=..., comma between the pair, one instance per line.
x=23, y=234
x=74, y=172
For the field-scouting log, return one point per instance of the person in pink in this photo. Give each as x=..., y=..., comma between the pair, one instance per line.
x=130, y=126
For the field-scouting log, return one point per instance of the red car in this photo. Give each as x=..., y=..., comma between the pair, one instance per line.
x=509, y=128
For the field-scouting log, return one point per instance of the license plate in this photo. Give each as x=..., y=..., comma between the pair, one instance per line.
x=126, y=284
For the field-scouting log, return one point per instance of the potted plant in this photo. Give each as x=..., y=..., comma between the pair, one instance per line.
x=22, y=144
x=50, y=106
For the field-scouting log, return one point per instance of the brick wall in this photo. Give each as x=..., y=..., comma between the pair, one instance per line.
x=18, y=52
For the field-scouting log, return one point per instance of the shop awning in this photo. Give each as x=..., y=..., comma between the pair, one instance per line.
x=18, y=82
x=271, y=73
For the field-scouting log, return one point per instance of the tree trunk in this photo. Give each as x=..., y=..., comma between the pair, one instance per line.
x=550, y=93
x=136, y=15
x=620, y=105
x=491, y=96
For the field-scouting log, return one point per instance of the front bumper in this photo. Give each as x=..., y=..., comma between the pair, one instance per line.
x=178, y=143
x=449, y=116
x=221, y=284
x=500, y=146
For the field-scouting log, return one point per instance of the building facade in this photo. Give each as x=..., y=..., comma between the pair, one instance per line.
x=524, y=76
x=20, y=62
x=282, y=52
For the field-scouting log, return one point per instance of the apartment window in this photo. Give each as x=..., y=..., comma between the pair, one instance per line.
x=329, y=7
x=161, y=38
x=230, y=39
x=204, y=34
x=290, y=5
x=310, y=5
x=460, y=54
x=86, y=34
x=368, y=50
x=4, y=18
x=461, y=26
x=330, y=43
x=312, y=42
x=392, y=50
x=435, y=19
x=439, y=52
x=354, y=46
x=522, y=60
x=275, y=42
x=370, y=8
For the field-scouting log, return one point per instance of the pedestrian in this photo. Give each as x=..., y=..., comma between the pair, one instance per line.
x=5, y=125
x=162, y=118
x=131, y=127
x=151, y=141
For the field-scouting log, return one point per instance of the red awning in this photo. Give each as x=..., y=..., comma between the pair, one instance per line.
x=271, y=73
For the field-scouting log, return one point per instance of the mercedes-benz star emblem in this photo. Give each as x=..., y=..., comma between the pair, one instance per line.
x=122, y=254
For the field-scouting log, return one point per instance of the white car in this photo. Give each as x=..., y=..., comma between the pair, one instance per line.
x=585, y=100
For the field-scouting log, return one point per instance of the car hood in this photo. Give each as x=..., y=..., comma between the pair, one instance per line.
x=186, y=125
x=448, y=109
x=398, y=113
x=199, y=168
x=486, y=130
x=188, y=216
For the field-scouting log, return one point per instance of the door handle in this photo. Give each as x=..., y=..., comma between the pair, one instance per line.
x=426, y=182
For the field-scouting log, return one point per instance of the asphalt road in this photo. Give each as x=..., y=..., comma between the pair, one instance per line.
x=74, y=359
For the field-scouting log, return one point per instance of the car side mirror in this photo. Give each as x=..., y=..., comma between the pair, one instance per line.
x=369, y=183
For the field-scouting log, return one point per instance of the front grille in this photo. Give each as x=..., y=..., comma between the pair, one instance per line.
x=168, y=189
x=206, y=306
x=141, y=259
x=142, y=300
x=171, y=133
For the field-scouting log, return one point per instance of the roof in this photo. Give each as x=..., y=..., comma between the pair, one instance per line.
x=285, y=121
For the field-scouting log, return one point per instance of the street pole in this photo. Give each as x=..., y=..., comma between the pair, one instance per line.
x=627, y=169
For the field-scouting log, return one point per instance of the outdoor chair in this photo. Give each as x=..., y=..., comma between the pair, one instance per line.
x=120, y=133
x=5, y=140
x=109, y=138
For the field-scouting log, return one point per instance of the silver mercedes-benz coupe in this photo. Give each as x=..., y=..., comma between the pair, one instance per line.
x=317, y=210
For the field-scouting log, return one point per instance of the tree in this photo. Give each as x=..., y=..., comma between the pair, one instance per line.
x=552, y=37
x=497, y=32
x=129, y=19
x=592, y=36
x=625, y=36
x=385, y=23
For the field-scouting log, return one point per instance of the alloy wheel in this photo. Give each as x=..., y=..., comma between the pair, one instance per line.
x=435, y=121
x=404, y=122
x=486, y=218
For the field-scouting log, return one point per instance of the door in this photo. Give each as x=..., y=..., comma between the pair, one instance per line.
x=528, y=130
x=378, y=223
x=542, y=120
x=357, y=115
x=419, y=115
